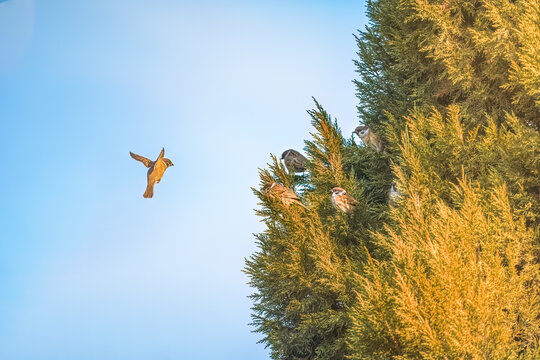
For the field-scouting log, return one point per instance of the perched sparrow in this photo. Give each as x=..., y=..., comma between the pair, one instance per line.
x=342, y=201
x=294, y=160
x=286, y=195
x=392, y=195
x=156, y=169
x=368, y=137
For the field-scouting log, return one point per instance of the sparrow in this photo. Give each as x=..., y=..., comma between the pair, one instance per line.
x=156, y=169
x=368, y=137
x=343, y=201
x=294, y=160
x=286, y=195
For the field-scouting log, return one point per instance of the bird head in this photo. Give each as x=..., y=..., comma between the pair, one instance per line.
x=268, y=186
x=285, y=153
x=338, y=191
x=361, y=130
x=168, y=162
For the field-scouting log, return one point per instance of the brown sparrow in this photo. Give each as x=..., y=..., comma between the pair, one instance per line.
x=286, y=195
x=294, y=160
x=343, y=201
x=156, y=169
x=368, y=137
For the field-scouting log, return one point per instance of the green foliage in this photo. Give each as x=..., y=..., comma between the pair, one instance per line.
x=304, y=270
x=480, y=55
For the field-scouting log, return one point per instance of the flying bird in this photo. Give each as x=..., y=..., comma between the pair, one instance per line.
x=343, y=201
x=156, y=169
x=294, y=160
x=369, y=137
x=286, y=195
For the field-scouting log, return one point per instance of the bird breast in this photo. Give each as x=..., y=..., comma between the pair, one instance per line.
x=157, y=170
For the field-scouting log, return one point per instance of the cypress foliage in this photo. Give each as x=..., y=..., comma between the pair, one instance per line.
x=481, y=55
x=462, y=281
x=452, y=269
x=304, y=269
x=469, y=176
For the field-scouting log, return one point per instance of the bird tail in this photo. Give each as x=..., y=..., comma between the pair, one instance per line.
x=149, y=191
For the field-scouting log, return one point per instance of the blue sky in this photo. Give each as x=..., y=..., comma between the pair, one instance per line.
x=88, y=268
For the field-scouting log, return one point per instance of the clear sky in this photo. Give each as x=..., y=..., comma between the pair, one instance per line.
x=89, y=269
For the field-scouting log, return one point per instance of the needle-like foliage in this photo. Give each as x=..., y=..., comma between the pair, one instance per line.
x=447, y=264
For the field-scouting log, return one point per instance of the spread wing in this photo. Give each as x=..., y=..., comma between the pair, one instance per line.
x=145, y=161
x=161, y=154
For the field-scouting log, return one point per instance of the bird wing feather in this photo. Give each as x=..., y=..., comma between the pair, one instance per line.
x=299, y=162
x=352, y=200
x=161, y=154
x=145, y=161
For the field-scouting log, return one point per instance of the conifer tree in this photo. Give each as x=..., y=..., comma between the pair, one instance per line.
x=304, y=270
x=452, y=269
x=479, y=148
